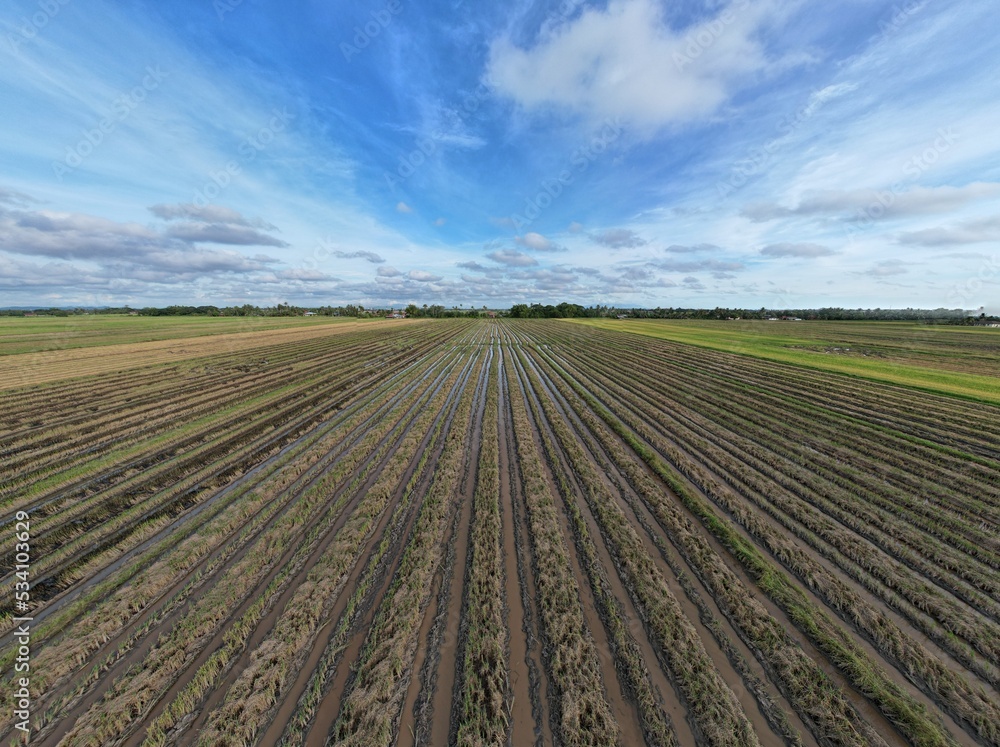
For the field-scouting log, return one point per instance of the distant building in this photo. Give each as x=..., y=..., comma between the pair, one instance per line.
x=310, y=313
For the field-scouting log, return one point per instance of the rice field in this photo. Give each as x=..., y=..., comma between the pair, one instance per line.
x=493, y=532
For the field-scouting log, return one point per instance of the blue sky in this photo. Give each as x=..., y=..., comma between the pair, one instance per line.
x=753, y=153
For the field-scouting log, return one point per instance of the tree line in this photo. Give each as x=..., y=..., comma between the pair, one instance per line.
x=572, y=310
x=563, y=310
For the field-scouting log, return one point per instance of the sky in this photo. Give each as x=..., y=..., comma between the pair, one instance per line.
x=690, y=153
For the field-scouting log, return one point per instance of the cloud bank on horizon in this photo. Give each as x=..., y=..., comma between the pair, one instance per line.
x=630, y=152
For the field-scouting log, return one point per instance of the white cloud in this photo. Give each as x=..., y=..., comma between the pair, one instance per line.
x=618, y=238
x=76, y=236
x=474, y=266
x=537, y=242
x=305, y=275
x=626, y=61
x=17, y=199
x=702, y=265
x=208, y=214
x=887, y=268
x=967, y=232
x=422, y=276
x=372, y=257
x=882, y=202
x=691, y=249
x=221, y=233
x=402, y=207
x=802, y=250
x=820, y=97
x=512, y=258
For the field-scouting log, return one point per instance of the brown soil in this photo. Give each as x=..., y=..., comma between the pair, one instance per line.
x=400, y=369
x=56, y=365
x=524, y=667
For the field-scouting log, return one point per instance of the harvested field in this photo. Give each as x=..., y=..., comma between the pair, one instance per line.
x=95, y=353
x=495, y=532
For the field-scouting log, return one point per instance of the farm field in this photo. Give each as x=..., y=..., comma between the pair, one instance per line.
x=34, y=334
x=499, y=532
x=63, y=355
x=964, y=361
